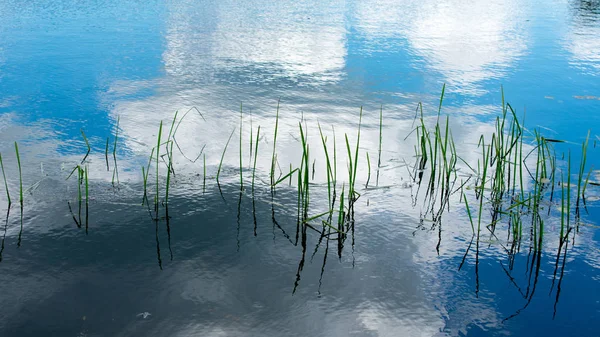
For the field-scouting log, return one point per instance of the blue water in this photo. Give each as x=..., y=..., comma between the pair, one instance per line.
x=68, y=66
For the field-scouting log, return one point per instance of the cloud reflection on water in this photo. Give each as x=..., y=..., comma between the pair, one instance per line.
x=467, y=42
x=259, y=42
x=583, y=40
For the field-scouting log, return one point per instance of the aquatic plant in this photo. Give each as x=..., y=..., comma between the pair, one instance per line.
x=169, y=170
x=157, y=166
x=87, y=143
x=223, y=155
x=500, y=189
x=581, y=174
x=274, y=156
x=145, y=173
x=20, y=175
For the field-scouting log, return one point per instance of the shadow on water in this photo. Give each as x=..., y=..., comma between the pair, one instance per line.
x=4, y=234
x=21, y=226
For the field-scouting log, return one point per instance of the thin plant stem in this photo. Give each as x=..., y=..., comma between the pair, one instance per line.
x=87, y=143
x=274, y=145
x=157, y=166
x=223, y=155
x=20, y=175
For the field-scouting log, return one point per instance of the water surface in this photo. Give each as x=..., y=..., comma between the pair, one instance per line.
x=231, y=263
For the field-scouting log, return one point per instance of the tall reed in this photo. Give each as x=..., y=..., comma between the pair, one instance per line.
x=169, y=170
x=223, y=155
x=353, y=164
x=580, y=176
x=157, y=166
x=20, y=175
x=330, y=176
x=145, y=173
x=170, y=140
x=273, y=157
x=87, y=143
x=305, y=167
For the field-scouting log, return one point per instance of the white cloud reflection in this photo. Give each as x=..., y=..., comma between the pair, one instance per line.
x=281, y=38
x=583, y=39
x=467, y=42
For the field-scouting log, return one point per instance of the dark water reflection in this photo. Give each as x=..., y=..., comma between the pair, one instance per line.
x=229, y=264
x=211, y=286
x=234, y=271
x=588, y=10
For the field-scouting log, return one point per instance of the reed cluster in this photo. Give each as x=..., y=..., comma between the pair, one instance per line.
x=506, y=185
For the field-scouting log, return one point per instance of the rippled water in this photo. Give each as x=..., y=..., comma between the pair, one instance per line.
x=229, y=263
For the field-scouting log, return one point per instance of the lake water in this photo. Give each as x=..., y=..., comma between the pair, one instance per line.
x=226, y=261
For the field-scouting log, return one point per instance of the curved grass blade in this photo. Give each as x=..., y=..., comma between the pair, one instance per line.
x=223, y=155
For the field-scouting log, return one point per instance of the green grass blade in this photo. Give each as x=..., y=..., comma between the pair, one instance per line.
x=87, y=143
x=223, y=155
x=285, y=176
x=157, y=165
x=20, y=175
x=274, y=145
